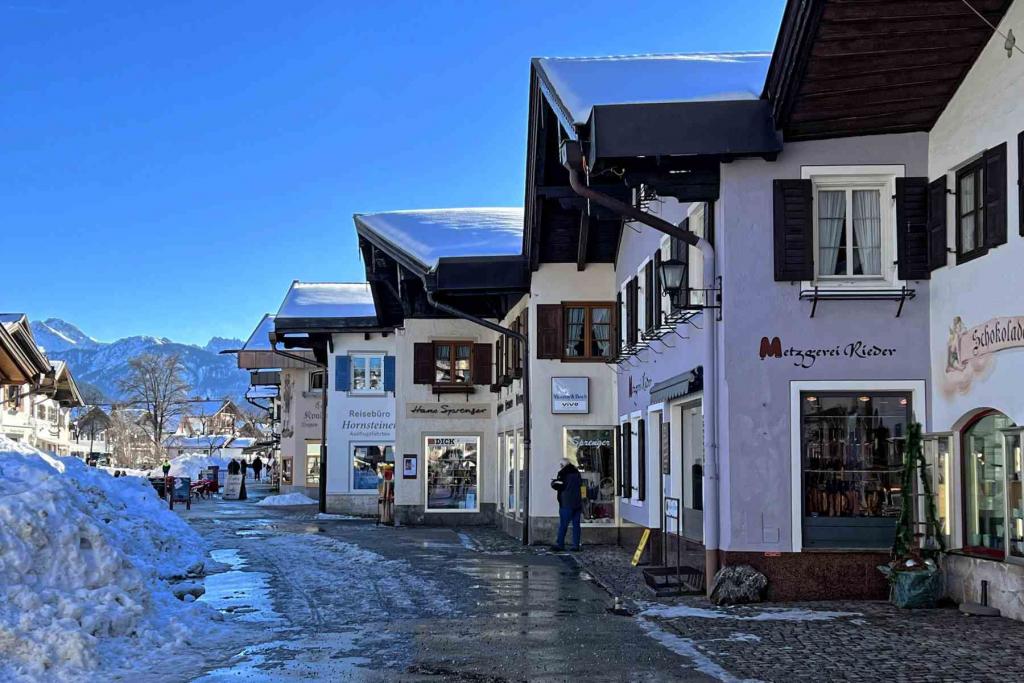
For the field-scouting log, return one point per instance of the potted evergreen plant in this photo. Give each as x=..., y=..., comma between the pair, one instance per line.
x=914, y=575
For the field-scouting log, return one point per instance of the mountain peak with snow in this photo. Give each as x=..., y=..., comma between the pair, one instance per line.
x=56, y=335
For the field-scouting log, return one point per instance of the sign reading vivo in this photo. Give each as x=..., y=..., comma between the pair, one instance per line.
x=570, y=395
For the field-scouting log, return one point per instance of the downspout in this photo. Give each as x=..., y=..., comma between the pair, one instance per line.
x=525, y=493
x=572, y=159
x=322, y=488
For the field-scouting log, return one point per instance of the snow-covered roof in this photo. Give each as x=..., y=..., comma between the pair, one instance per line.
x=327, y=300
x=259, y=340
x=429, y=235
x=214, y=441
x=580, y=83
x=242, y=442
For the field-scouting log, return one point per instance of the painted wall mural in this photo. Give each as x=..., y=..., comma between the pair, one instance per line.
x=969, y=350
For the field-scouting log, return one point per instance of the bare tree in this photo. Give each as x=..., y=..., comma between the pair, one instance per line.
x=156, y=384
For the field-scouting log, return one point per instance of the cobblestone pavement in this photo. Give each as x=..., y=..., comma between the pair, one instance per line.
x=816, y=641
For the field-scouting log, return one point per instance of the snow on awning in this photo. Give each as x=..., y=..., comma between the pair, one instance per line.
x=427, y=236
x=327, y=300
x=577, y=85
x=262, y=391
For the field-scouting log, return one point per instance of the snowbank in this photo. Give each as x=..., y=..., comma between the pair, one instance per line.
x=84, y=563
x=288, y=499
x=192, y=465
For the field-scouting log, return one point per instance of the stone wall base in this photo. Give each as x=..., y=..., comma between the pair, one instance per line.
x=964, y=575
x=360, y=505
x=817, y=575
x=415, y=515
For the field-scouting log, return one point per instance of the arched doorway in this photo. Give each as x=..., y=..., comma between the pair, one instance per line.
x=991, y=459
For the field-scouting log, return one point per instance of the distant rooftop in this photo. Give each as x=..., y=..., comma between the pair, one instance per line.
x=327, y=300
x=580, y=83
x=428, y=235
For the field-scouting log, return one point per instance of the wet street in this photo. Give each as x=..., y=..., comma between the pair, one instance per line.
x=345, y=599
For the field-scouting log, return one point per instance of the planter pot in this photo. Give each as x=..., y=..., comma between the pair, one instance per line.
x=914, y=589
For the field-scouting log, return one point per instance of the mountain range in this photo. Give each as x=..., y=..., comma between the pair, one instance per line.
x=98, y=366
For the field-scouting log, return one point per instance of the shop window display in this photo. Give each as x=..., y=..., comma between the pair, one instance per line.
x=366, y=460
x=312, y=463
x=286, y=470
x=852, y=446
x=591, y=451
x=985, y=478
x=511, y=463
x=937, y=453
x=452, y=469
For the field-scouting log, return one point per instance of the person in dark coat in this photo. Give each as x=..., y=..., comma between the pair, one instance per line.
x=570, y=504
x=234, y=467
x=257, y=467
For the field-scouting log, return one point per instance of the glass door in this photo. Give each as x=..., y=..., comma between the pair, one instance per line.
x=1014, y=492
x=938, y=449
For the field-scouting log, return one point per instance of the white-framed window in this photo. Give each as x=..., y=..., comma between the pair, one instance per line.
x=695, y=260
x=367, y=373
x=854, y=225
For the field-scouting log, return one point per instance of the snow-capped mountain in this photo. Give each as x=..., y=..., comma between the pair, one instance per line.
x=102, y=364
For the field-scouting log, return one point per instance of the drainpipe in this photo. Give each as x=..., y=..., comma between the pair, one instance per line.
x=572, y=159
x=524, y=340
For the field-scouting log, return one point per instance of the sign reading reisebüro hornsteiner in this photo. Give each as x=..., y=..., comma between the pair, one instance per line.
x=806, y=357
x=570, y=395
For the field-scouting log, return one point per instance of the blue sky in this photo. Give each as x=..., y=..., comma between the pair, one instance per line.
x=169, y=168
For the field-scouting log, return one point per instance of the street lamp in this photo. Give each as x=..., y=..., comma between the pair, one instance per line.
x=673, y=275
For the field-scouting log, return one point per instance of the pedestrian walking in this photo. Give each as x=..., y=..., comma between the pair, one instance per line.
x=166, y=466
x=570, y=503
x=257, y=467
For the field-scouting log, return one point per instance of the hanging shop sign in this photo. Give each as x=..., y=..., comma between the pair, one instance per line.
x=570, y=395
x=806, y=357
x=448, y=410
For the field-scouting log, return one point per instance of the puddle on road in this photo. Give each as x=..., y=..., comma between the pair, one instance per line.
x=241, y=593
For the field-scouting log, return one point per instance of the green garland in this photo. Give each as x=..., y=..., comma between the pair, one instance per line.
x=904, y=544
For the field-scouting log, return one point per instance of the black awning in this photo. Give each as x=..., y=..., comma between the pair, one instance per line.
x=663, y=129
x=674, y=387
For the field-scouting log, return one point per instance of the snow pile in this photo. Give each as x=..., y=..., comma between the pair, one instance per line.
x=192, y=465
x=84, y=560
x=288, y=499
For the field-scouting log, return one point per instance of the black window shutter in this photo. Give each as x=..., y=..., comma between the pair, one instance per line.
x=632, y=296
x=937, y=223
x=626, y=487
x=549, y=331
x=617, y=327
x=482, y=373
x=423, y=363
x=1020, y=182
x=620, y=436
x=912, y=228
x=794, y=230
x=641, y=460
x=649, y=296
x=709, y=222
x=657, y=289
x=995, y=196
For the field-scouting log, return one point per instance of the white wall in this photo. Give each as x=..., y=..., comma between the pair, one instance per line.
x=345, y=428
x=300, y=420
x=987, y=110
x=411, y=431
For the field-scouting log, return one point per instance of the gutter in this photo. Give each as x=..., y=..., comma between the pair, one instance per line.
x=525, y=493
x=571, y=158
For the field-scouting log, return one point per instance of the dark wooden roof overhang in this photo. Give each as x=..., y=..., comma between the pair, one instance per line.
x=265, y=378
x=267, y=359
x=15, y=366
x=485, y=286
x=672, y=149
x=868, y=67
